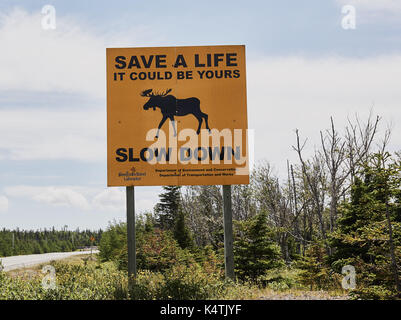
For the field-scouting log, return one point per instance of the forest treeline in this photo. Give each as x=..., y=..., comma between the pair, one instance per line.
x=338, y=205
x=20, y=242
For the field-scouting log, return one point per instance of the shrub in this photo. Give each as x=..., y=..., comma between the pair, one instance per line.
x=315, y=271
x=178, y=283
x=73, y=282
x=112, y=241
x=157, y=251
x=280, y=279
x=376, y=292
x=255, y=252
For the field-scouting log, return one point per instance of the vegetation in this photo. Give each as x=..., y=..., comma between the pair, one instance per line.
x=168, y=208
x=339, y=207
x=255, y=252
x=369, y=232
x=83, y=279
x=19, y=242
x=315, y=271
x=73, y=281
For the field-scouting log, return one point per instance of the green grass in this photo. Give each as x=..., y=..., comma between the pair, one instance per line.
x=80, y=278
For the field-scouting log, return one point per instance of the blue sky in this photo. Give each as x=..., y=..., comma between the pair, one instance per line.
x=302, y=67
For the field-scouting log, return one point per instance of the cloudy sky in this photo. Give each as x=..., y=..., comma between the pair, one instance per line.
x=302, y=68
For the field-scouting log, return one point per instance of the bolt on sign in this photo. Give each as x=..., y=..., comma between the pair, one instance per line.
x=177, y=116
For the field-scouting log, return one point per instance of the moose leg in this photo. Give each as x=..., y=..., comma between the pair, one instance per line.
x=206, y=117
x=173, y=123
x=200, y=124
x=160, y=125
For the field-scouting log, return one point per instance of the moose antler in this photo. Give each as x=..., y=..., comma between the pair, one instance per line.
x=147, y=93
x=164, y=94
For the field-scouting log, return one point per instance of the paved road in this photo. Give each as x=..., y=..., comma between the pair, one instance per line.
x=17, y=262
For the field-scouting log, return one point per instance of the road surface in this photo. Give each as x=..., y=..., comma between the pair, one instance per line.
x=17, y=262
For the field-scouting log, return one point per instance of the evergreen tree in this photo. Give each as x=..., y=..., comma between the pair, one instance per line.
x=149, y=222
x=369, y=232
x=314, y=269
x=255, y=251
x=182, y=233
x=167, y=209
x=19, y=242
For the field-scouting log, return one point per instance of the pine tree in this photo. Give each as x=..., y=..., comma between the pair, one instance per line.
x=255, y=252
x=369, y=232
x=167, y=209
x=314, y=270
x=182, y=233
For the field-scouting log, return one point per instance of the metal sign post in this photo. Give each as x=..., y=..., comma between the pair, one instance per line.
x=228, y=232
x=131, y=234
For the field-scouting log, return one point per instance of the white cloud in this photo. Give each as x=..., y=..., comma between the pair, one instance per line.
x=114, y=199
x=146, y=205
x=62, y=197
x=67, y=59
x=375, y=11
x=85, y=198
x=110, y=199
x=37, y=65
x=53, y=134
x=374, y=5
x=293, y=92
x=3, y=204
x=55, y=196
x=70, y=59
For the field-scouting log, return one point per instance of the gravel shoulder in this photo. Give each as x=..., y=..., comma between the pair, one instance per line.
x=302, y=295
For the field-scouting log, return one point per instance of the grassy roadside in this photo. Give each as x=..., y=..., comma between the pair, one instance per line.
x=33, y=271
x=80, y=277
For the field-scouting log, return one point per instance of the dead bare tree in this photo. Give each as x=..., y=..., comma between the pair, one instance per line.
x=359, y=138
x=271, y=198
x=203, y=207
x=343, y=155
x=243, y=201
x=340, y=157
x=299, y=206
x=315, y=177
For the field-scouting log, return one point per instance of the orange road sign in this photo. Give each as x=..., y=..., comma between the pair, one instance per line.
x=177, y=116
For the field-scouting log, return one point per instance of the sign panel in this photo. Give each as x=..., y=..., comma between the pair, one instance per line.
x=176, y=116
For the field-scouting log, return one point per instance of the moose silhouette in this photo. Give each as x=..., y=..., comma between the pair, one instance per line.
x=170, y=107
